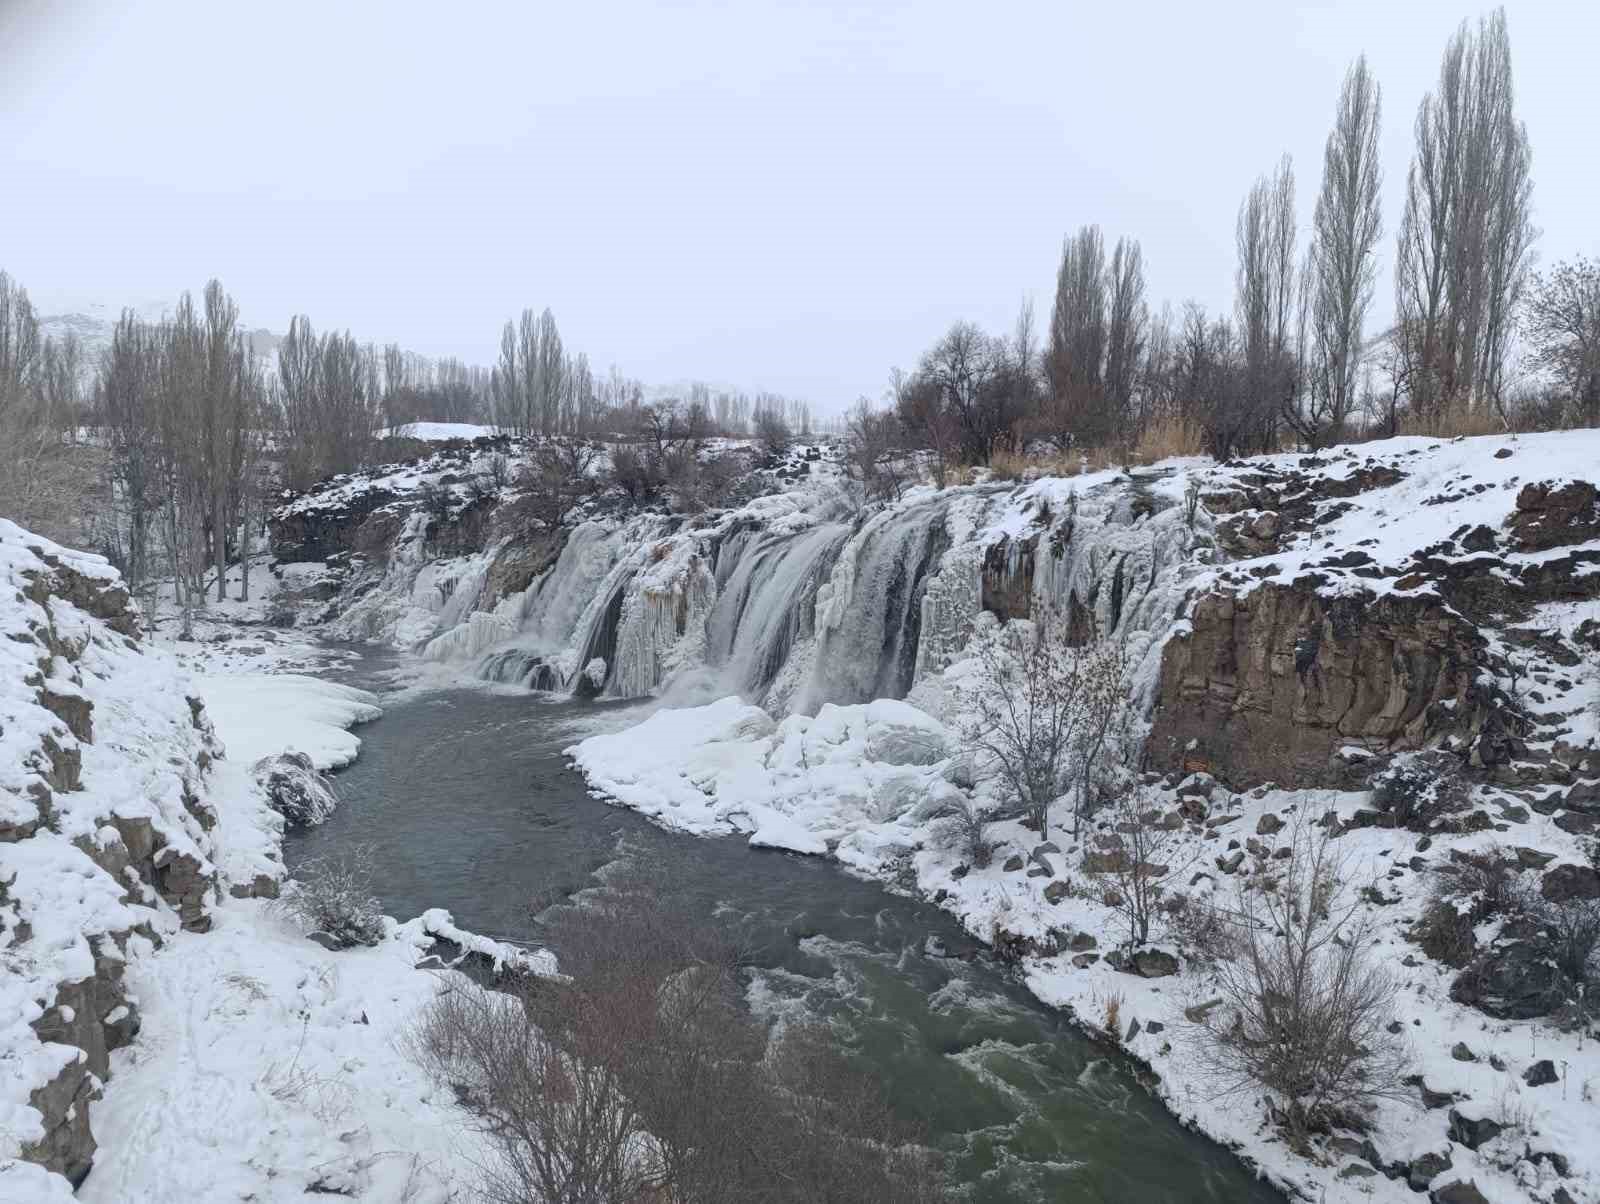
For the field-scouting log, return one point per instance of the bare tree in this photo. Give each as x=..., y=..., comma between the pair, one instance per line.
x=1341, y=262
x=1306, y=1009
x=1561, y=318
x=40, y=397
x=1076, y=358
x=1466, y=236
x=1039, y=713
x=1127, y=326
x=1148, y=852
x=1264, y=298
x=875, y=458
x=558, y=475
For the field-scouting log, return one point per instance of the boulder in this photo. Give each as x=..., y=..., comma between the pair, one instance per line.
x=1458, y=1192
x=1152, y=963
x=1472, y=1132
x=1056, y=891
x=1541, y=1073
x=1268, y=825
x=1425, y=1167
x=1513, y=981
x=295, y=789
x=1568, y=882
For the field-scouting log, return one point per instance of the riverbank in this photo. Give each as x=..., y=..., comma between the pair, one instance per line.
x=867, y=786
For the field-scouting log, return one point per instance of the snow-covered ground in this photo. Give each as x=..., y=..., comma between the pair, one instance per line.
x=264, y=1067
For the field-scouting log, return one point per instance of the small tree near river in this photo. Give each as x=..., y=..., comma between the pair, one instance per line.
x=1042, y=716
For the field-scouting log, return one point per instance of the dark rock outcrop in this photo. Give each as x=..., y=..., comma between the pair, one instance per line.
x=1270, y=684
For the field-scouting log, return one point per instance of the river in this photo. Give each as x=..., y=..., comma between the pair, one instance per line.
x=468, y=804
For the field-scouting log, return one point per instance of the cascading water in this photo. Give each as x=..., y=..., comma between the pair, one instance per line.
x=794, y=612
x=869, y=615
x=768, y=584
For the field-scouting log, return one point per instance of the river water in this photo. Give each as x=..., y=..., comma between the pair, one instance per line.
x=468, y=803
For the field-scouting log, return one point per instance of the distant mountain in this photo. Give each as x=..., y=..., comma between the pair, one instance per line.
x=95, y=321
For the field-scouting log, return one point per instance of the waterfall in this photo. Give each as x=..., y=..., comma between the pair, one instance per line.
x=766, y=604
x=869, y=614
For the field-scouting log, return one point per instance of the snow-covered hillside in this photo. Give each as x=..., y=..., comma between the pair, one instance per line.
x=164, y=1030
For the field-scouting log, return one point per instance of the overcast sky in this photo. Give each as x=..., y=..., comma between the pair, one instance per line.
x=775, y=195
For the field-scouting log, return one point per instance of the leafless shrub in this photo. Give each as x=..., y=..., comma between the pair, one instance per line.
x=969, y=819
x=1305, y=1010
x=640, y=1075
x=333, y=895
x=1042, y=714
x=874, y=453
x=556, y=478
x=772, y=431
x=1152, y=853
x=1191, y=501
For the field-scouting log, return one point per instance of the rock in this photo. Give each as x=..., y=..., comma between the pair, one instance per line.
x=1458, y=1192
x=1533, y=859
x=1272, y=682
x=1541, y=1073
x=1568, y=882
x=1268, y=825
x=1553, y=516
x=1472, y=1131
x=1152, y=963
x=960, y=872
x=899, y=734
x=1105, y=861
x=1463, y=1054
x=1155, y=1027
x=1256, y=848
x=294, y=788
x=1198, y=1013
x=1514, y=981
x=1056, y=891
x=1231, y=862
x=1356, y=1170
x=1424, y=1167
x=1431, y=1099
x=1041, y=870
x=327, y=942
x=1013, y=863
x=1084, y=960
x=1048, y=847
x=1133, y=1030
x=1081, y=942
x=1502, y=453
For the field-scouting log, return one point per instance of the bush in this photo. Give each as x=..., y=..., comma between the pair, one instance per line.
x=1305, y=1010
x=969, y=821
x=333, y=895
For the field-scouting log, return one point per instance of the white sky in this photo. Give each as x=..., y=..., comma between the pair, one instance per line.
x=775, y=195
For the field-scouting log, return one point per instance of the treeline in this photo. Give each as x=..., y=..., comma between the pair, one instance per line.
x=1294, y=362
x=539, y=387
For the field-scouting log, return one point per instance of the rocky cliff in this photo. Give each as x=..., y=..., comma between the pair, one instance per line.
x=105, y=834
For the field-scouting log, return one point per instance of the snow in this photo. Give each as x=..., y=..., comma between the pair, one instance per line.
x=268, y=1066
x=259, y=714
x=434, y=432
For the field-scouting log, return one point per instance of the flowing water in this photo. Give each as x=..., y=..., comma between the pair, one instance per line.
x=469, y=805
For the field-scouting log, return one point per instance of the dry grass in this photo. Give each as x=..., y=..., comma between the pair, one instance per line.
x=1168, y=437
x=1113, y=1019
x=1161, y=440
x=1478, y=420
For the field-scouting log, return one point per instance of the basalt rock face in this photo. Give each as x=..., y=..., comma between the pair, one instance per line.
x=1271, y=684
